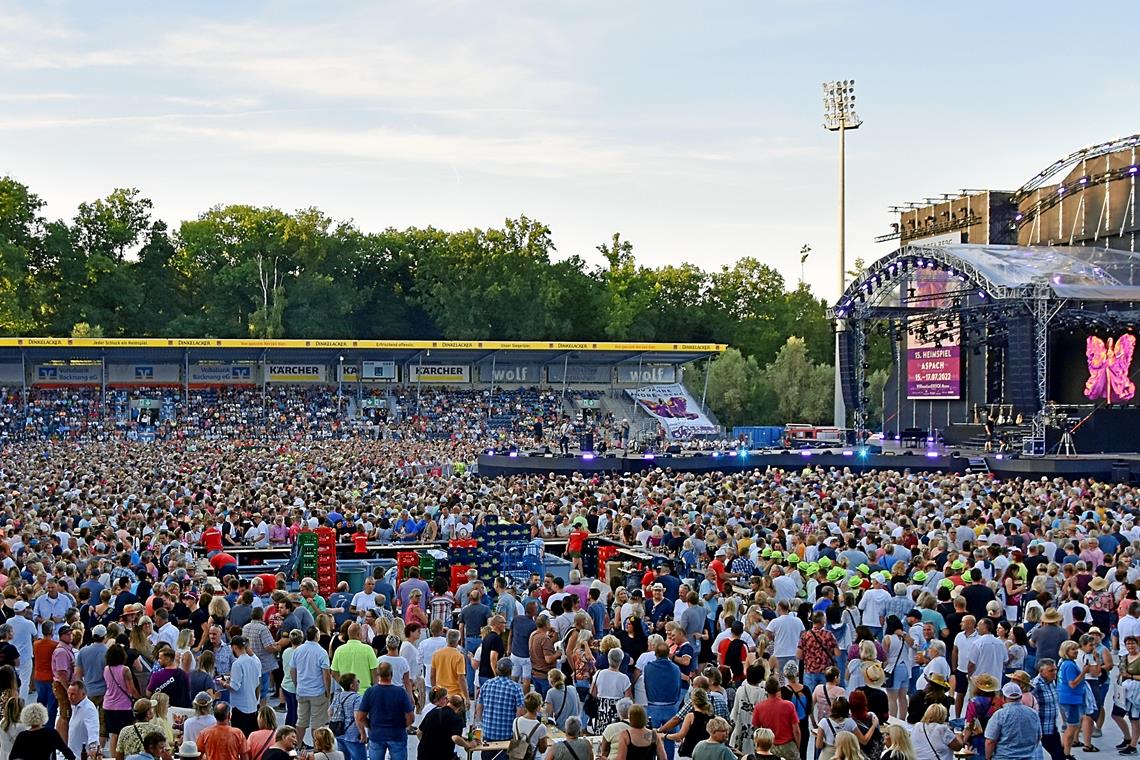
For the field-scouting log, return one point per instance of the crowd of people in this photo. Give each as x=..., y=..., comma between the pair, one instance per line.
x=874, y=615
x=493, y=416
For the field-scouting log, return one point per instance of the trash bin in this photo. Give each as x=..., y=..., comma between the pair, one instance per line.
x=558, y=567
x=354, y=571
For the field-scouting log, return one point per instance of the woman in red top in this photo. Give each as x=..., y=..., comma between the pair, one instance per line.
x=415, y=611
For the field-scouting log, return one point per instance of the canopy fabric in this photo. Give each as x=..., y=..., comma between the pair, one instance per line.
x=1071, y=271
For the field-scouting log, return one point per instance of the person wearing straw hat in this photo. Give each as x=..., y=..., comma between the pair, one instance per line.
x=980, y=709
x=188, y=751
x=877, y=702
x=1048, y=636
x=936, y=691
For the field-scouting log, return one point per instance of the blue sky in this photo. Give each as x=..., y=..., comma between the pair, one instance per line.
x=693, y=129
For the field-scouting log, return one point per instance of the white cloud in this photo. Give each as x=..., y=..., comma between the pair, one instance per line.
x=235, y=103
x=547, y=154
x=362, y=65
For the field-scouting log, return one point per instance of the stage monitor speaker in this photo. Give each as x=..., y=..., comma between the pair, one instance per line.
x=673, y=448
x=1121, y=472
x=586, y=442
x=1020, y=367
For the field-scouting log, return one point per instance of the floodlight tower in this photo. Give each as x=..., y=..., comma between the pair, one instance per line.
x=839, y=116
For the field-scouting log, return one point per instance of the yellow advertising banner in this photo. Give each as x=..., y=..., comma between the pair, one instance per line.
x=316, y=344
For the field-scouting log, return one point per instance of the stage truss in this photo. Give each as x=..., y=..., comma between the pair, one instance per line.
x=981, y=310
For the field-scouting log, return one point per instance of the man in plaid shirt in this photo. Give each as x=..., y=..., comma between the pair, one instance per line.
x=1045, y=691
x=500, y=702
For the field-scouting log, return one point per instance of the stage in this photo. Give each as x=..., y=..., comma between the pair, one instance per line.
x=1119, y=469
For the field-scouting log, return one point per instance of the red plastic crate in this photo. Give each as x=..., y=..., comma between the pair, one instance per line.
x=458, y=576
x=605, y=554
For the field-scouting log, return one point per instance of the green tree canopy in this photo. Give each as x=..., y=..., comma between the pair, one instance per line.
x=243, y=270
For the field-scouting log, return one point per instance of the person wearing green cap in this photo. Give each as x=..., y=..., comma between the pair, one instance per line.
x=835, y=574
x=825, y=562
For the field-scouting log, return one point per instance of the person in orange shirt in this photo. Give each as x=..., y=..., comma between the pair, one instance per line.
x=449, y=667
x=222, y=741
x=42, y=651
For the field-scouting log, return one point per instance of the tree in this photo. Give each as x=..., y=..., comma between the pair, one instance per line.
x=628, y=292
x=481, y=284
x=804, y=391
x=242, y=270
x=21, y=230
x=732, y=386
x=84, y=330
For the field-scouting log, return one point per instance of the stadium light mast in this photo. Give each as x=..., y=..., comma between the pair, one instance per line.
x=839, y=116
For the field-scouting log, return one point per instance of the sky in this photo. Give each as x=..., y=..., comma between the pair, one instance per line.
x=693, y=129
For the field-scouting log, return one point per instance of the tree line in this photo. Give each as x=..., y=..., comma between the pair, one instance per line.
x=249, y=271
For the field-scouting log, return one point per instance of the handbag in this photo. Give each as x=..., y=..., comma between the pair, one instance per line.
x=889, y=678
x=590, y=706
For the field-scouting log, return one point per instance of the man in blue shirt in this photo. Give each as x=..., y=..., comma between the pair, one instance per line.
x=383, y=717
x=309, y=670
x=500, y=702
x=1045, y=692
x=670, y=582
x=389, y=593
x=53, y=605
x=598, y=613
x=1014, y=731
x=662, y=686
x=245, y=677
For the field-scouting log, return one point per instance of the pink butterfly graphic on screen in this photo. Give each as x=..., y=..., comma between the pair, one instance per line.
x=1109, y=363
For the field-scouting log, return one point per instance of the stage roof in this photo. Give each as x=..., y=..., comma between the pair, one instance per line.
x=1093, y=274
x=400, y=351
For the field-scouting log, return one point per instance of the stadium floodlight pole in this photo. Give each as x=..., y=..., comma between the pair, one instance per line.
x=839, y=116
x=339, y=383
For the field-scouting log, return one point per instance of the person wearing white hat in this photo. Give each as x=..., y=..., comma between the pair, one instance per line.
x=188, y=751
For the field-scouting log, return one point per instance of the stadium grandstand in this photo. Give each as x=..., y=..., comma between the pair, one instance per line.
x=494, y=391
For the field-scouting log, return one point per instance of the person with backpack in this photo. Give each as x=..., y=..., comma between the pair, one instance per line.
x=528, y=735
x=749, y=694
x=342, y=718
x=662, y=687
